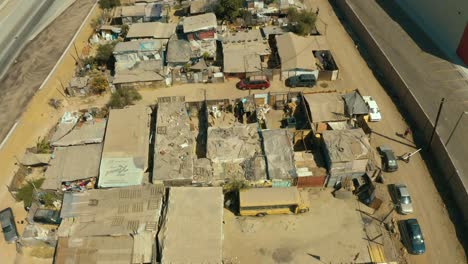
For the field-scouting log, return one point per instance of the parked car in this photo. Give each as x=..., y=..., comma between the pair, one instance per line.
x=374, y=111
x=401, y=198
x=303, y=80
x=254, y=82
x=46, y=216
x=8, y=225
x=389, y=161
x=412, y=236
x=364, y=189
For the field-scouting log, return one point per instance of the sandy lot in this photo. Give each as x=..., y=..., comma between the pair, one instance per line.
x=332, y=230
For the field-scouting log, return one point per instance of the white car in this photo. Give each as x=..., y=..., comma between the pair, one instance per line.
x=374, y=111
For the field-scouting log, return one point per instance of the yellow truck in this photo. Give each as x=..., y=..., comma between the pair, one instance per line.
x=263, y=201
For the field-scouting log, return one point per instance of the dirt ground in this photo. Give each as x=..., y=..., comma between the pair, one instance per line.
x=331, y=230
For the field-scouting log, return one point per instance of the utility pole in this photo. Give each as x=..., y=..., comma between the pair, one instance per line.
x=436, y=122
x=455, y=127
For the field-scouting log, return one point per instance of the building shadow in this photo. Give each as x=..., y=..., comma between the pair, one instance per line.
x=414, y=31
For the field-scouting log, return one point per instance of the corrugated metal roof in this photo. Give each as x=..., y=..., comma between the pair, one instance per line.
x=138, y=45
x=279, y=153
x=106, y=212
x=84, y=133
x=92, y=250
x=71, y=164
x=325, y=107
x=296, y=52
x=200, y=22
x=155, y=30
x=346, y=145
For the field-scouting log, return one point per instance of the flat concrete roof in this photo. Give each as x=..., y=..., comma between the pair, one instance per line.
x=126, y=147
x=193, y=229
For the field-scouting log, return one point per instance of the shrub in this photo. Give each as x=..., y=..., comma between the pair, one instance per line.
x=26, y=192
x=123, y=97
x=301, y=23
x=235, y=186
x=104, y=53
x=108, y=4
x=99, y=84
x=42, y=146
x=228, y=9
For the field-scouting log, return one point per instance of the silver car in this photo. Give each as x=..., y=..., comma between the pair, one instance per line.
x=8, y=225
x=402, y=199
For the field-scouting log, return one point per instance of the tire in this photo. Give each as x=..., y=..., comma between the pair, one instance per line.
x=303, y=211
x=260, y=214
x=263, y=88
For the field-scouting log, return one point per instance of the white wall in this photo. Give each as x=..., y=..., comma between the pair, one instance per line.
x=444, y=21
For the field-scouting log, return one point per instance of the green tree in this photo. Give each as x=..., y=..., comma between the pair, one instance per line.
x=124, y=30
x=301, y=23
x=123, y=97
x=228, y=9
x=25, y=193
x=104, y=53
x=108, y=4
x=99, y=84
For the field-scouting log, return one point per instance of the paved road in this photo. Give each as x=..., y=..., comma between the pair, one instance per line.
x=22, y=79
x=17, y=27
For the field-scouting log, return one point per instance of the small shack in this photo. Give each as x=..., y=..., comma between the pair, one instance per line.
x=279, y=155
x=174, y=145
x=347, y=153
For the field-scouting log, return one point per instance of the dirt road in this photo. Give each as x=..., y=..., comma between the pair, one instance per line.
x=441, y=240
x=36, y=61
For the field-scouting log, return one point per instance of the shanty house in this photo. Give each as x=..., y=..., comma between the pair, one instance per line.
x=235, y=153
x=174, y=145
x=279, y=155
x=245, y=53
x=201, y=32
x=139, y=63
x=151, y=12
x=347, y=153
x=179, y=52
x=153, y=30
x=124, y=160
x=296, y=53
x=192, y=231
x=325, y=109
x=108, y=223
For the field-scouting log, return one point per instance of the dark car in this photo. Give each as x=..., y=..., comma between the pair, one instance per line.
x=389, y=161
x=412, y=236
x=46, y=216
x=303, y=80
x=254, y=82
x=8, y=225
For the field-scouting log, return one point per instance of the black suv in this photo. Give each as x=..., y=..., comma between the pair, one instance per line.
x=303, y=80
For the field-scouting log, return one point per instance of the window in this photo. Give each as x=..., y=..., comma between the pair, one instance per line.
x=7, y=229
x=269, y=207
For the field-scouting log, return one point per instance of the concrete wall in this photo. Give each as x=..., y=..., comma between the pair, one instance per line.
x=411, y=105
x=444, y=21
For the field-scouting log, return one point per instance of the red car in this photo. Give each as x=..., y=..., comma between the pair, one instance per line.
x=254, y=82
